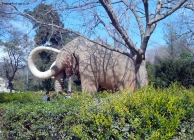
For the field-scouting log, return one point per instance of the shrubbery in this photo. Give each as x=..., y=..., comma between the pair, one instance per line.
x=20, y=97
x=166, y=71
x=145, y=114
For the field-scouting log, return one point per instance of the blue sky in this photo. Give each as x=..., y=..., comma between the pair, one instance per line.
x=155, y=40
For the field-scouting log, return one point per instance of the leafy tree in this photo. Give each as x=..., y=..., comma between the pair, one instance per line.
x=175, y=65
x=176, y=43
x=166, y=71
x=45, y=35
x=14, y=57
x=185, y=22
x=186, y=73
x=186, y=56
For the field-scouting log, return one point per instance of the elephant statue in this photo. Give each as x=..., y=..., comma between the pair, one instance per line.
x=96, y=66
x=60, y=82
x=58, y=79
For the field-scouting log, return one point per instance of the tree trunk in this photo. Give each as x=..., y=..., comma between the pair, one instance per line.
x=10, y=86
x=141, y=74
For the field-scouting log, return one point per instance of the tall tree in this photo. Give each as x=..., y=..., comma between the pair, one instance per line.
x=111, y=16
x=45, y=34
x=50, y=36
x=4, y=18
x=175, y=43
x=177, y=62
x=14, y=56
x=166, y=71
x=185, y=23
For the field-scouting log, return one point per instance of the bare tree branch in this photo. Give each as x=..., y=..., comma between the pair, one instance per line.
x=69, y=30
x=158, y=7
x=140, y=24
x=190, y=7
x=149, y=28
x=123, y=13
x=146, y=9
x=160, y=17
x=109, y=32
x=110, y=11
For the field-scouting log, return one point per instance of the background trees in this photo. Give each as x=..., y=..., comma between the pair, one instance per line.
x=177, y=64
x=129, y=24
x=4, y=18
x=111, y=16
x=14, y=57
x=166, y=71
x=46, y=35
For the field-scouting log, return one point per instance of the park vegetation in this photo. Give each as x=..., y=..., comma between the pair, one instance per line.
x=148, y=113
x=164, y=109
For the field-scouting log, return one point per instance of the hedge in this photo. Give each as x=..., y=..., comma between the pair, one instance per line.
x=148, y=113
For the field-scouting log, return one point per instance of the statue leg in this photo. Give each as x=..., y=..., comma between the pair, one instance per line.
x=88, y=84
x=59, y=83
x=69, y=85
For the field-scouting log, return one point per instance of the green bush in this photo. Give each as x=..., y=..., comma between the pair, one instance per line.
x=145, y=114
x=185, y=131
x=166, y=71
x=20, y=97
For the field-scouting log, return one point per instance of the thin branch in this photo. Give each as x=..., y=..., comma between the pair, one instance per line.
x=123, y=13
x=15, y=3
x=158, y=7
x=83, y=6
x=110, y=11
x=71, y=31
x=160, y=17
x=109, y=32
x=140, y=24
x=189, y=7
x=80, y=5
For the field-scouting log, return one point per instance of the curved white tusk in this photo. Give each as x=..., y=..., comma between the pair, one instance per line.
x=43, y=75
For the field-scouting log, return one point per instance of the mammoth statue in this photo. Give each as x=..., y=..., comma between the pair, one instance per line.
x=96, y=66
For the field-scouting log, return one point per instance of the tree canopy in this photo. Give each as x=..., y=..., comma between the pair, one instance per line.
x=14, y=57
x=46, y=34
x=177, y=65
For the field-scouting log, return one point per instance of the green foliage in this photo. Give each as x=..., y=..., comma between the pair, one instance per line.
x=167, y=71
x=20, y=97
x=148, y=113
x=150, y=70
x=44, y=13
x=185, y=131
x=20, y=85
x=44, y=34
x=14, y=57
x=40, y=120
x=56, y=38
